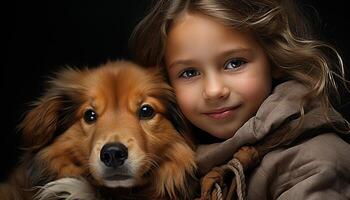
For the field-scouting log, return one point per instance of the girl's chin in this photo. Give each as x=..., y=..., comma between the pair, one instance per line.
x=223, y=135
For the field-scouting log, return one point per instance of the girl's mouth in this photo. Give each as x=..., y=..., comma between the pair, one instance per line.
x=222, y=113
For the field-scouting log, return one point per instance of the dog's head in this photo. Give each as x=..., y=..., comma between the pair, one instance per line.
x=117, y=124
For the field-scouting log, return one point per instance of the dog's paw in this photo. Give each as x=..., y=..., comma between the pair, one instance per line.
x=67, y=188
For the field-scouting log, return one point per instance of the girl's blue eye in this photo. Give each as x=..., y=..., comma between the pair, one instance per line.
x=189, y=73
x=234, y=64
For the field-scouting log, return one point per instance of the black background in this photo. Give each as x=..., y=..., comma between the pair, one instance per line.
x=42, y=36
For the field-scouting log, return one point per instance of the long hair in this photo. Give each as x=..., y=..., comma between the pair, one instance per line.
x=280, y=26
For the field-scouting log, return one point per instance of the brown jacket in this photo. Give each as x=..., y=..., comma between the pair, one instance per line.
x=315, y=165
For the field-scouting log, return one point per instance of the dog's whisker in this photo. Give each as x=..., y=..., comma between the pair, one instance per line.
x=150, y=159
x=91, y=169
x=153, y=156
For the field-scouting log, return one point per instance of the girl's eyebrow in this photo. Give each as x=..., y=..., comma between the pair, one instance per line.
x=182, y=62
x=223, y=54
x=244, y=51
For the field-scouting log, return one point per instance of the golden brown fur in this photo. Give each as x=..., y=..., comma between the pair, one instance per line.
x=61, y=143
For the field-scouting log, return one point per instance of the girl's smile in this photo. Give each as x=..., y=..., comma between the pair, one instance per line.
x=222, y=113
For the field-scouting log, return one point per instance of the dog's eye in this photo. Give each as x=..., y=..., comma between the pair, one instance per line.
x=90, y=116
x=146, y=112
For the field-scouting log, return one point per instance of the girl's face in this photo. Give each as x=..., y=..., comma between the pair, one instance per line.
x=220, y=76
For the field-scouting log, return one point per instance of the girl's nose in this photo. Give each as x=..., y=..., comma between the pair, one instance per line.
x=215, y=88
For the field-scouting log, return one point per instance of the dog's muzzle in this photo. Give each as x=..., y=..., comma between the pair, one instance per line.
x=113, y=155
x=116, y=169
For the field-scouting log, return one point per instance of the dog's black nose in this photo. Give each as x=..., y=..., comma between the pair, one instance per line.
x=114, y=154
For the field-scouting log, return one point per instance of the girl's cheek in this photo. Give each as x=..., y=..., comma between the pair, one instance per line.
x=257, y=91
x=185, y=97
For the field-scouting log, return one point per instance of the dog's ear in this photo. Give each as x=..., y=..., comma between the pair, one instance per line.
x=166, y=94
x=173, y=112
x=54, y=112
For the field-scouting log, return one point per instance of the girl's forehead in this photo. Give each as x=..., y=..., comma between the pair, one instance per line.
x=190, y=17
x=202, y=23
x=202, y=34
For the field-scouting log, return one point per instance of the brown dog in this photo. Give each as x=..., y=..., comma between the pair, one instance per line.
x=112, y=131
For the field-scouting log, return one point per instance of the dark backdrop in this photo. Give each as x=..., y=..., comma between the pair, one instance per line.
x=40, y=37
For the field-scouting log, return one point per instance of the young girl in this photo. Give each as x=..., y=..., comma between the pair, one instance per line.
x=248, y=72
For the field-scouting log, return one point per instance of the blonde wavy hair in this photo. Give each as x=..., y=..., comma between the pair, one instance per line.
x=280, y=27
